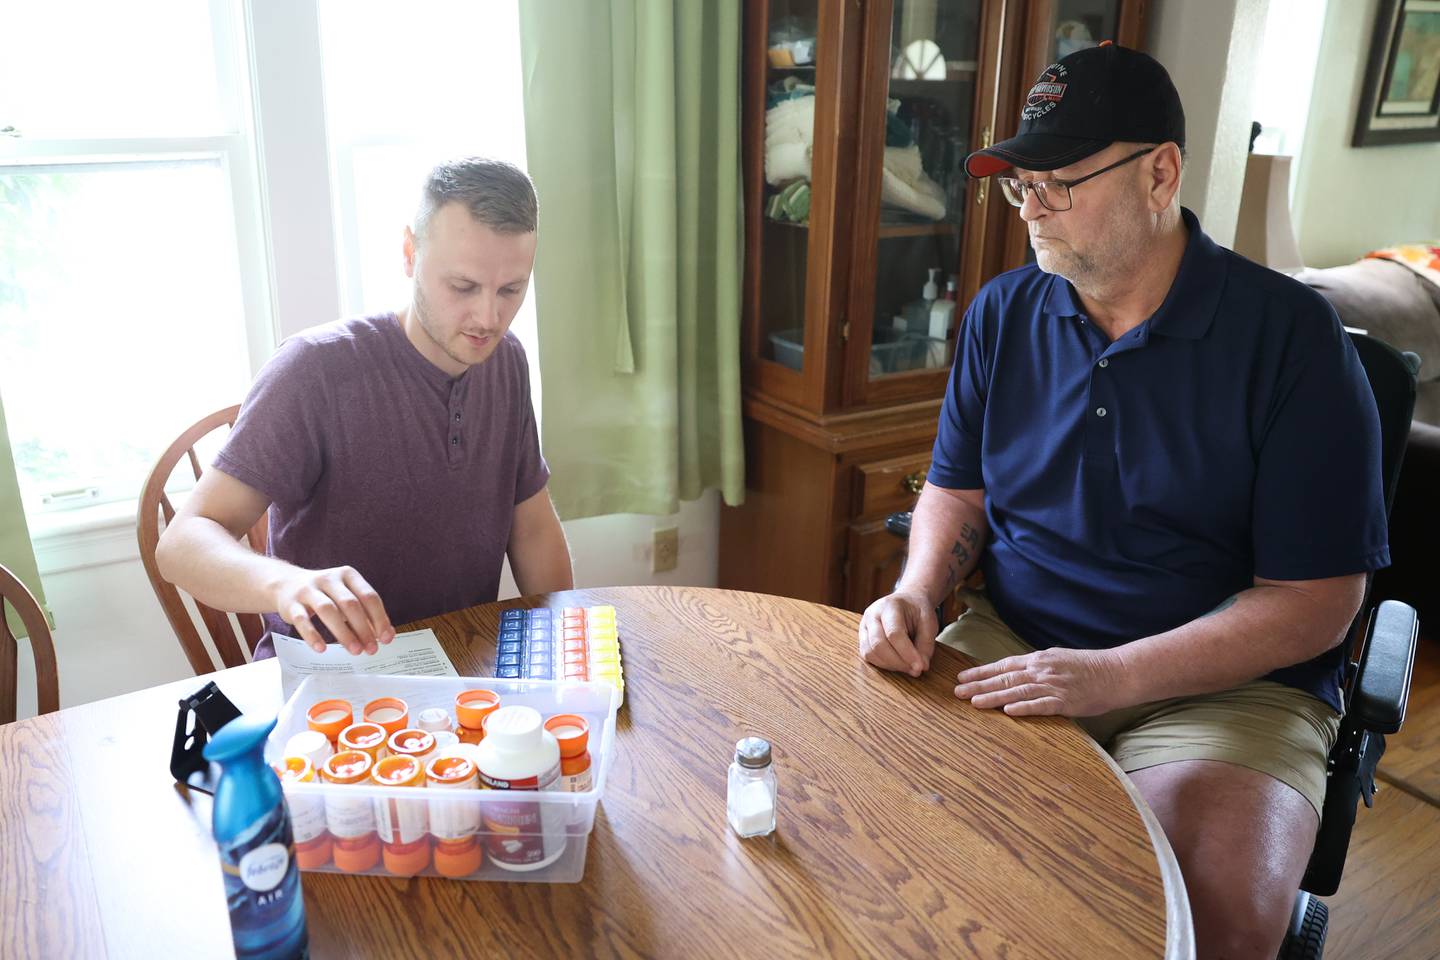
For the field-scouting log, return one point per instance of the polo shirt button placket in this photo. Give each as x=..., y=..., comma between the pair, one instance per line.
x=453, y=411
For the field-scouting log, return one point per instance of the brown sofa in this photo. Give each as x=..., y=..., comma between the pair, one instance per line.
x=1395, y=304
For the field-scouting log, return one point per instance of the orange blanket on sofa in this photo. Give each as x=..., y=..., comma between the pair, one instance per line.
x=1423, y=258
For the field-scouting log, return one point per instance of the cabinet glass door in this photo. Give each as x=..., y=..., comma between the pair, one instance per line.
x=1071, y=25
x=929, y=109
x=792, y=55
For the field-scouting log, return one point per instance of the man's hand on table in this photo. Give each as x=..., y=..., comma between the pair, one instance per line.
x=897, y=633
x=340, y=599
x=1058, y=680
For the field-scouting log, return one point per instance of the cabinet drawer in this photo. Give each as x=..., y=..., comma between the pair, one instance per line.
x=885, y=486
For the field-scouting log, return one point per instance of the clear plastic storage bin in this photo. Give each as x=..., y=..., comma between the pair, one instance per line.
x=564, y=819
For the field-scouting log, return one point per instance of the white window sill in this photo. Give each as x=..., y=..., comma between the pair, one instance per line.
x=88, y=536
x=59, y=525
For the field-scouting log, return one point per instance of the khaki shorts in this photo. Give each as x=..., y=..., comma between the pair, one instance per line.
x=1265, y=726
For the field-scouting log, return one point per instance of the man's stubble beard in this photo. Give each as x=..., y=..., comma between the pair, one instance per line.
x=1122, y=241
x=422, y=316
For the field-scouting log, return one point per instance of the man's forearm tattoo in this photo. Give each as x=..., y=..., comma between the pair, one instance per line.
x=1224, y=605
x=961, y=552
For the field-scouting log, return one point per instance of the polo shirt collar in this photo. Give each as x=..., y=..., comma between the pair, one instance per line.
x=1194, y=295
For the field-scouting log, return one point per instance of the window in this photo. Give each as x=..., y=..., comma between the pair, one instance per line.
x=1286, y=77
x=135, y=276
x=460, y=95
x=132, y=293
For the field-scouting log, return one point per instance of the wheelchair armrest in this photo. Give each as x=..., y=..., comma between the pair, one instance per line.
x=899, y=524
x=1382, y=681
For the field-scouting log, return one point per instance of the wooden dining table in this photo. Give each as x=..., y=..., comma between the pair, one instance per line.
x=910, y=824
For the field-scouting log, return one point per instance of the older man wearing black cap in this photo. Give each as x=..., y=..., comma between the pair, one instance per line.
x=1165, y=460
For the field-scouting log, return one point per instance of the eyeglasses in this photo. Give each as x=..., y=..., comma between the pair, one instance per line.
x=1054, y=195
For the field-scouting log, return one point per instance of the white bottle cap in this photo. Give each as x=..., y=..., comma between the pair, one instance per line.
x=312, y=745
x=514, y=728
x=434, y=719
x=443, y=739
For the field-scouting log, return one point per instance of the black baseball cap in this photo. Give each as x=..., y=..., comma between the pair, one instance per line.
x=1082, y=104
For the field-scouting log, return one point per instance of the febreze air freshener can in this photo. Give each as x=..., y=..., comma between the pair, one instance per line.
x=252, y=832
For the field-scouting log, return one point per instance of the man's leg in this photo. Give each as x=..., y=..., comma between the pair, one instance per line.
x=1243, y=840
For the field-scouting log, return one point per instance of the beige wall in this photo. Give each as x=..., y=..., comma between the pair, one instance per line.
x=1348, y=200
x=1211, y=50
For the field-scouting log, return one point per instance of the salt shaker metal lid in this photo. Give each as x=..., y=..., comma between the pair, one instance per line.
x=753, y=753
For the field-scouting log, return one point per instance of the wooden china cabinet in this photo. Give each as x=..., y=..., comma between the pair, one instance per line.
x=858, y=116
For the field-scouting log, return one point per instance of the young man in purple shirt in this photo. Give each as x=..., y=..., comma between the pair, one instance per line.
x=1166, y=461
x=397, y=455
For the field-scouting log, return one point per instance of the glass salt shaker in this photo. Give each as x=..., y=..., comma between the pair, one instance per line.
x=750, y=798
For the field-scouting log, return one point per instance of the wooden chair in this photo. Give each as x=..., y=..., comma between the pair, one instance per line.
x=155, y=512
x=42, y=648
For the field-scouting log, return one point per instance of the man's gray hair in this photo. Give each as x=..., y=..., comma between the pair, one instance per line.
x=497, y=194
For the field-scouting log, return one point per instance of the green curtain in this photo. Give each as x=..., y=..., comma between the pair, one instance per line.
x=16, y=552
x=632, y=132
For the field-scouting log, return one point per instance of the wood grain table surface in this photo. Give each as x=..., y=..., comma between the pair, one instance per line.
x=910, y=824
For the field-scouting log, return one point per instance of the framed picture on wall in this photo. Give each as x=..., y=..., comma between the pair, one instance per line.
x=1400, y=102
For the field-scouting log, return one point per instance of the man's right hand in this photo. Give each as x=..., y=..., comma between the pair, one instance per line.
x=340, y=599
x=898, y=631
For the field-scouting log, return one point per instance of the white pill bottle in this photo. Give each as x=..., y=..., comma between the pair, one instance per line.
x=519, y=755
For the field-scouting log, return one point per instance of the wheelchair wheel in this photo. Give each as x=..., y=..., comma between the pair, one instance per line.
x=1307, y=942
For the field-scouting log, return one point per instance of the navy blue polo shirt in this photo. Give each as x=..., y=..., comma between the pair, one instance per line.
x=1132, y=486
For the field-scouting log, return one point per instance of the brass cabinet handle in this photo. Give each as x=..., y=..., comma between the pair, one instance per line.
x=983, y=190
x=914, y=482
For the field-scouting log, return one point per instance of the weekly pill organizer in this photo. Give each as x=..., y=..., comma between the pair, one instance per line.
x=561, y=821
x=567, y=643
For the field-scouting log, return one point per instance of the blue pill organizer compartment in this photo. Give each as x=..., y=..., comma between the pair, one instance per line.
x=569, y=817
x=566, y=643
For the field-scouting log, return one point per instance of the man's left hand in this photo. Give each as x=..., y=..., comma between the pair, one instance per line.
x=1058, y=680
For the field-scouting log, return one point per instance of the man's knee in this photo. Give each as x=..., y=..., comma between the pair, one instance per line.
x=1242, y=839
x=1236, y=919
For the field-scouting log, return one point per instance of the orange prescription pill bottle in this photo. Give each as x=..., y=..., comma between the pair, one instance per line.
x=454, y=819
x=330, y=717
x=471, y=709
x=572, y=732
x=351, y=819
x=307, y=815
x=368, y=738
x=402, y=823
x=392, y=713
x=411, y=742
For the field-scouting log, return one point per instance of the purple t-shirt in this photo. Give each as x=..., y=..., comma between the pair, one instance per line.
x=373, y=457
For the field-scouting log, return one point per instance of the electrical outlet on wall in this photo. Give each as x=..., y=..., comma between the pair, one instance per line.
x=665, y=554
